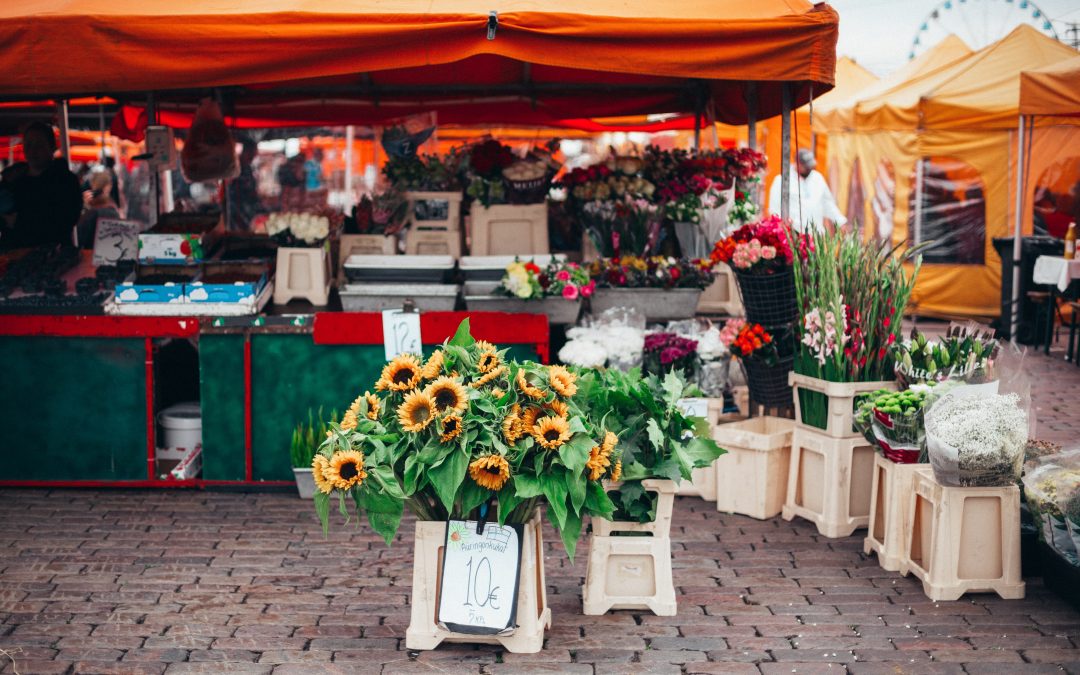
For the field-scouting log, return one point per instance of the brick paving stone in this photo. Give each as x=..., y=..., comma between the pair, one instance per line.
x=714, y=668
x=108, y=668
x=535, y=668
x=803, y=668
x=977, y=656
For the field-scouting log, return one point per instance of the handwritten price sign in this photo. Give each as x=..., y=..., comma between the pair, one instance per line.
x=480, y=577
x=401, y=332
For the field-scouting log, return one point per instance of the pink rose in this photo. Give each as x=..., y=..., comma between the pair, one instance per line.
x=768, y=252
x=570, y=292
x=588, y=289
x=563, y=275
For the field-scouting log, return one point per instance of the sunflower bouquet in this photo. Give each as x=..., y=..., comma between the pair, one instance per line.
x=468, y=427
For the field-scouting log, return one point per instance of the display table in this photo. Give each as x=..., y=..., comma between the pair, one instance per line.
x=81, y=392
x=1052, y=270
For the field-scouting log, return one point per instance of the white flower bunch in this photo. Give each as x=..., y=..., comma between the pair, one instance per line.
x=307, y=227
x=977, y=440
x=709, y=345
x=595, y=346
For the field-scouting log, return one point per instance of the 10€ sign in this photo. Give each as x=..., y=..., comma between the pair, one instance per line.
x=478, y=593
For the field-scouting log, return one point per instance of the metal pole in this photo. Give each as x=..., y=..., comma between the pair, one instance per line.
x=751, y=115
x=62, y=122
x=1014, y=304
x=785, y=151
x=918, y=199
x=155, y=175
x=350, y=137
x=101, y=128
x=697, y=122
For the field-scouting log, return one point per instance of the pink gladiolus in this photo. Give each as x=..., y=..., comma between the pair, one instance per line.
x=570, y=292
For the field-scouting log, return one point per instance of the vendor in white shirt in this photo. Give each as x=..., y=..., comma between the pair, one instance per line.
x=818, y=203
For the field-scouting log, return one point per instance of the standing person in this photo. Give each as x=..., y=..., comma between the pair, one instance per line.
x=243, y=202
x=818, y=203
x=47, y=196
x=313, y=171
x=99, y=205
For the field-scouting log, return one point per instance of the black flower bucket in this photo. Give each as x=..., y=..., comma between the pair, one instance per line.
x=769, y=384
x=769, y=299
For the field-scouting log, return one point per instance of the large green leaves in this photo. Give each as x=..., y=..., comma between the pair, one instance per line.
x=447, y=477
x=383, y=511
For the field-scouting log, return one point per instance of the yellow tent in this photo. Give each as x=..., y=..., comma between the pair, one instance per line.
x=959, y=118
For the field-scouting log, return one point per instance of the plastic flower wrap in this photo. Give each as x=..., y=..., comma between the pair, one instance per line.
x=965, y=352
x=977, y=440
x=1049, y=489
x=465, y=427
x=894, y=422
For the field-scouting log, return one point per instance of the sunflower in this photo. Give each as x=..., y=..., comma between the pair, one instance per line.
x=528, y=389
x=373, y=406
x=451, y=428
x=448, y=395
x=348, y=420
x=598, y=463
x=416, y=412
x=401, y=374
x=529, y=417
x=551, y=432
x=318, y=471
x=490, y=471
x=512, y=428
x=562, y=381
x=616, y=473
x=497, y=393
x=559, y=408
x=433, y=366
x=346, y=469
x=608, y=445
x=488, y=377
x=487, y=361
x=484, y=346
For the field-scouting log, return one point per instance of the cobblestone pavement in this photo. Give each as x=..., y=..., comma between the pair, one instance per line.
x=118, y=581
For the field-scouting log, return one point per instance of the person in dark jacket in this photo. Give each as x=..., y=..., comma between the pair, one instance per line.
x=46, y=195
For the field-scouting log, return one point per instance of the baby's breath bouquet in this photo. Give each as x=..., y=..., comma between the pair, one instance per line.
x=464, y=428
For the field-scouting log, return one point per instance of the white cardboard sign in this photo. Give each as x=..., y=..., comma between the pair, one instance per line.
x=116, y=240
x=401, y=332
x=694, y=407
x=480, y=575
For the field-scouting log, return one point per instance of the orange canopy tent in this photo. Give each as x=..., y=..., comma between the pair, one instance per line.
x=474, y=62
x=1051, y=90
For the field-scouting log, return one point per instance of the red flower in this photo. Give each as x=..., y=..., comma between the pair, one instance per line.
x=886, y=322
x=532, y=267
x=185, y=247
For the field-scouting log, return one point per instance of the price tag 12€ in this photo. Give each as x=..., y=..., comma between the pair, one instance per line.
x=480, y=576
x=401, y=332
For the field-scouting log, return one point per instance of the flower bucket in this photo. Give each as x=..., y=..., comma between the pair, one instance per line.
x=769, y=299
x=769, y=384
x=305, y=483
x=558, y=310
x=655, y=304
x=830, y=406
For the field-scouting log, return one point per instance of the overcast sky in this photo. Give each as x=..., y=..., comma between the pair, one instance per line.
x=878, y=34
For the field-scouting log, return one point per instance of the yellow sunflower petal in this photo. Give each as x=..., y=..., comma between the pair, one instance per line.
x=345, y=469
x=416, y=412
x=616, y=473
x=433, y=366
x=402, y=373
x=451, y=428
x=319, y=465
x=491, y=471
x=562, y=381
x=598, y=463
x=448, y=395
x=551, y=432
x=528, y=389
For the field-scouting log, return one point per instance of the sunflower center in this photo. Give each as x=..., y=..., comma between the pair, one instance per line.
x=450, y=425
x=420, y=414
x=445, y=398
x=403, y=375
x=348, y=470
x=493, y=470
x=551, y=435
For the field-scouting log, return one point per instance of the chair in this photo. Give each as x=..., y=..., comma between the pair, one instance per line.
x=1074, y=331
x=1046, y=306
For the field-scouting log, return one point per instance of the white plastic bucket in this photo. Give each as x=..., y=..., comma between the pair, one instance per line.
x=182, y=425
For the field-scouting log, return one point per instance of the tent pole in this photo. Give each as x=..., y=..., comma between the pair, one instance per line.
x=155, y=175
x=699, y=105
x=65, y=138
x=918, y=199
x=785, y=151
x=1014, y=304
x=101, y=127
x=751, y=115
x=350, y=137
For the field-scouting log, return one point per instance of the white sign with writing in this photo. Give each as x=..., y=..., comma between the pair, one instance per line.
x=401, y=332
x=480, y=575
x=116, y=240
x=694, y=407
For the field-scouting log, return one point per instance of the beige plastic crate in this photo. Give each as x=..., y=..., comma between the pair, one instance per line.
x=722, y=296
x=963, y=540
x=533, y=613
x=417, y=202
x=302, y=273
x=633, y=572
x=841, y=402
x=889, y=496
x=829, y=481
x=752, y=477
x=508, y=229
x=433, y=242
x=363, y=244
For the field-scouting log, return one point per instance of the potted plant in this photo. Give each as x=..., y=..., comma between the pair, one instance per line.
x=556, y=290
x=465, y=433
x=660, y=447
x=761, y=255
x=659, y=288
x=306, y=438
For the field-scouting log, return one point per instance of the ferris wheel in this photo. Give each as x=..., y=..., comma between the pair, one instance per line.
x=978, y=22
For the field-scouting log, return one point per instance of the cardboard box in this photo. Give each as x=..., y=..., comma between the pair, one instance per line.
x=178, y=463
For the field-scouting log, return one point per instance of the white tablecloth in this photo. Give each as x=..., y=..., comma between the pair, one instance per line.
x=1056, y=271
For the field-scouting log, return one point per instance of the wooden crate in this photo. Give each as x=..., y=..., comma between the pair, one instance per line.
x=507, y=229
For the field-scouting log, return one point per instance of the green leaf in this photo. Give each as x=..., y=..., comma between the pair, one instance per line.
x=597, y=501
x=412, y=474
x=669, y=468
x=448, y=476
x=702, y=451
x=570, y=532
x=527, y=486
x=576, y=487
x=508, y=501
x=554, y=484
x=322, y=508
x=463, y=337
x=702, y=428
x=673, y=387
x=575, y=454
x=656, y=437
x=635, y=471
x=472, y=496
x=387, y=481
x=383, y=512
